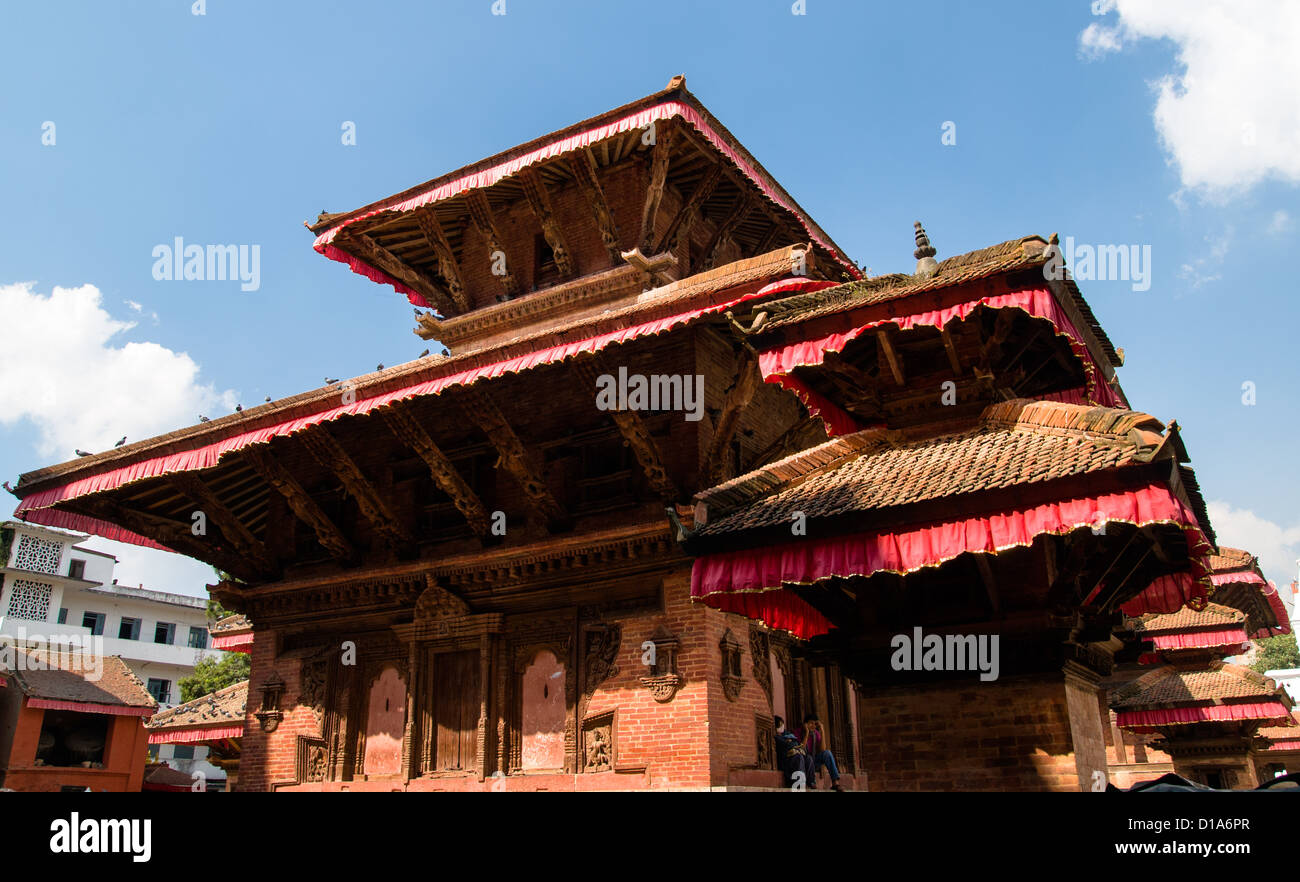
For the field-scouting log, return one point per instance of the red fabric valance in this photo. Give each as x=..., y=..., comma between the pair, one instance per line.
x=36, y=507
x=1146, y=720
x=86, y=707
x=233, y=642
x=489, y=176
x=1202, y=639
x=750, y=582
x=778, y=365
x=1247, y=577
x=195, y=736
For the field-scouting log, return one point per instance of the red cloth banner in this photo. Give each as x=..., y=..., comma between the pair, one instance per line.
x=489, y=176
x=1146, y=720
x=1202, y=640
x=751, y=581
x=195, y=736
x=233, y=642
x=777, y=365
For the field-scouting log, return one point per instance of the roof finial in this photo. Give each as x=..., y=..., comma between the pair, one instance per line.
x=926, y=265
x=677, y=82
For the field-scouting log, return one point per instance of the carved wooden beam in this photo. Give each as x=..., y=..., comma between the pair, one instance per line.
x=427, y=221
x=737, y=399
x=230, y=525
x=444, y=474
x=728, y=226
x=890, y=355
x=479, y=407
x=366, y=248
x=583, y=165
x=176, y=535
x=540, y=203
x=689, y=212
x=632, y=428
x=663, y=146
x=480, y=212
x=374, y=509
x=327, y=532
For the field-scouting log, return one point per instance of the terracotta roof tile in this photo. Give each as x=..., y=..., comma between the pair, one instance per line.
x=1017, y=442
x=232, y=624
x=1214, y=616
x=1229, y=559
x=1171, y=686
x=75, y=678
x=225, y=706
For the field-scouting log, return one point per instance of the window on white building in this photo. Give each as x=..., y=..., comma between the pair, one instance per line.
x=29, y=600
x=129, y=629
x=63, y=615
x=198, y=638
x=164, y=632
x=95, y=622
x=77, y=569
x=38, y=555
x=160, y=689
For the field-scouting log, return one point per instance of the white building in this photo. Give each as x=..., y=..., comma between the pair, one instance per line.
x=53, y=589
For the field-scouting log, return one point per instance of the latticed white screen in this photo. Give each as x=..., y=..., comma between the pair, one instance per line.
x=38, y=555
x=29, y=600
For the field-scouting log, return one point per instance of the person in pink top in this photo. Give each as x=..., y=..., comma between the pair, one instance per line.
x=810, y=735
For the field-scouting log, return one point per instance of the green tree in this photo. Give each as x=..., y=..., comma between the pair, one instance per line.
x=1276, y=653
x=211, y=674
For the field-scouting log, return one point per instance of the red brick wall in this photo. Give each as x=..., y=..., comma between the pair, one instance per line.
x=1012, y=734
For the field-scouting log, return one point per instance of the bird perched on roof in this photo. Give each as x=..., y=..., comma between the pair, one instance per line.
x=446, y=351
x=268, y=399
x=81, y=452
x=329, y=382
x=239, y=408
x=121, y=442
x=424, y=353
x=204, y=419
x=380, y=366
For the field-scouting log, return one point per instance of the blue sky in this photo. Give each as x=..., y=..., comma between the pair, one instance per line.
x=1174, y=125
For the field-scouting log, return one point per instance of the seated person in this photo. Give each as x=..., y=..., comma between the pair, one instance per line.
x=814, y=744
x=791, y=757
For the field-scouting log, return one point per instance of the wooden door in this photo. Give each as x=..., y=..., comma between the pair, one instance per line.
x=455, y=710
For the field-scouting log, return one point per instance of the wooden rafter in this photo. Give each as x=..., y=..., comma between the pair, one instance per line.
x=480, y=212
x=176, y=535
x=659, y=154
x=540, y=203
x=329, y=453
x=632, y=428
x=724, y=231
x=737, y=399
x=950, y=346
x=230, y=525
x=366, y=248
x=427, y=221
x=328, y=534
x=890, y=355
x=479, y=407
x=583, y=165
x=990, y=584
x=689, y=212
x=444, y=474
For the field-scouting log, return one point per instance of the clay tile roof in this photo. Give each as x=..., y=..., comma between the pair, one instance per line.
x=1171, y=686
x=1012, y=255
x=74, y=677
x=1214, y=616
x=232, y=624
x=225, y=706
x=1017, y=442
x=1229, y=559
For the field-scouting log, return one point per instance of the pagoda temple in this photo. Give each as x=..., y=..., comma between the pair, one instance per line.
x=680, y=470
x=1183, y=707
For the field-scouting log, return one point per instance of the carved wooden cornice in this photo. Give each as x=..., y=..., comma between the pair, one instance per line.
x=327, y=532
x=667, y=136
x=427, y=221
x=481, y=215
x=540, y=203
x=583, y=166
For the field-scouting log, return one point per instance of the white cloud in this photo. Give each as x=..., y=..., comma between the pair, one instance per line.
x=1280, y=223
x=134, y=305
x=1230, y=116
x=1202, y=270
x=1276, y=546
x=156, y=570
x=60, y=369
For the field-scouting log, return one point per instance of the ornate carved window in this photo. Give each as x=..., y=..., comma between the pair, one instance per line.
x=732, y=679
x=38, y=555
x=664, y=681
x=29, y=600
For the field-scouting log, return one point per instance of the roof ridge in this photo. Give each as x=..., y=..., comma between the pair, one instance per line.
x=1058, y=415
